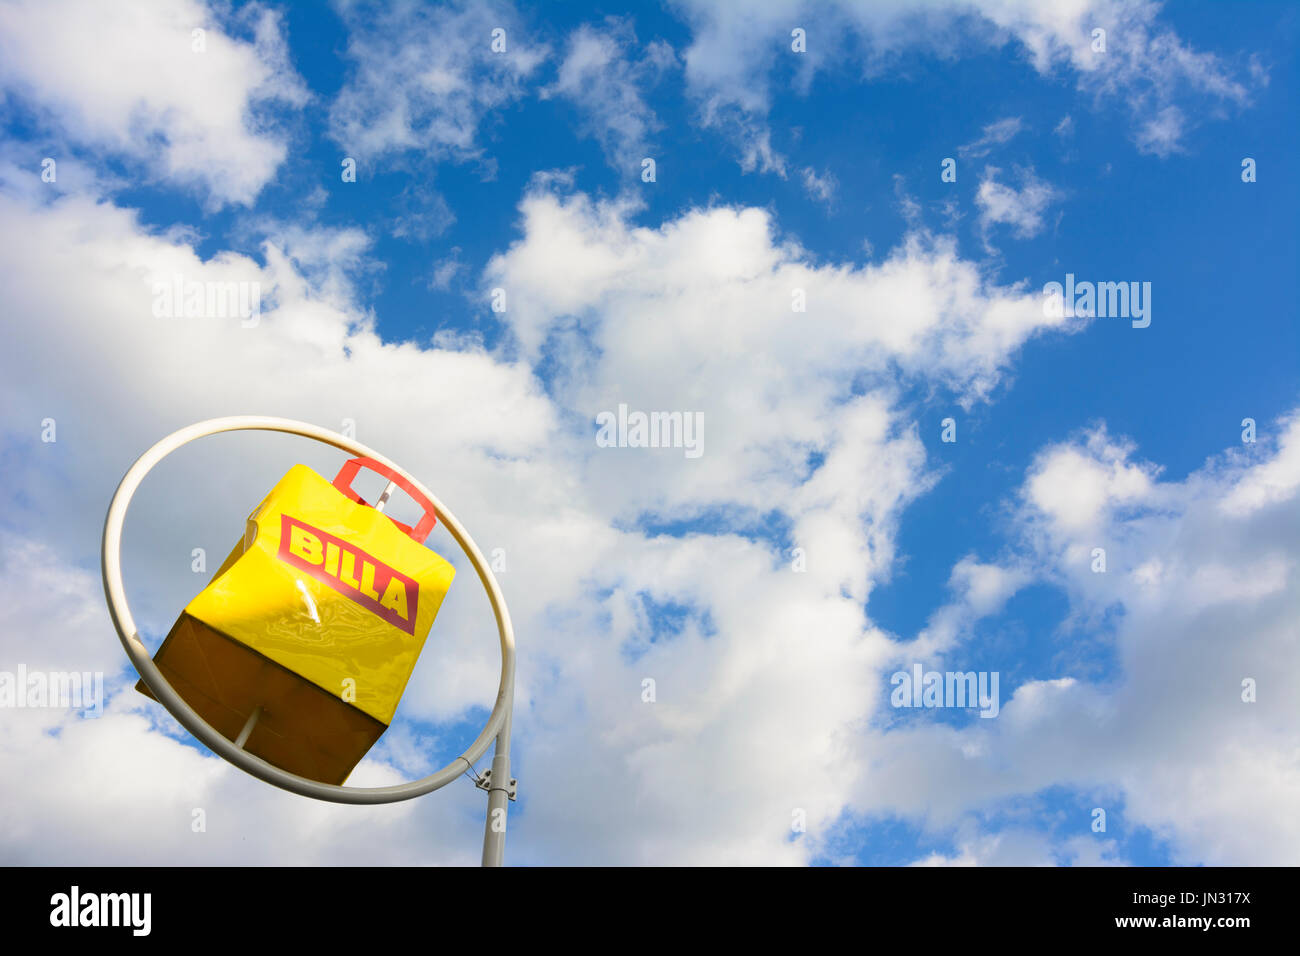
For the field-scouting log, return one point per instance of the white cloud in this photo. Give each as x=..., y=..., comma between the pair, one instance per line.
x=922, y=307
x=126, y=80
x=1022, y=846
x=995, y=134
x=605, y=776
x=741, y=52
x=980, y=590
x=1274, y=480
x=1162, y=134
x=821, y=187
x=1199, y=598
x=608, y=85
x=1022, y=209
x=445, y=270
x=426, y=78
x=1075, y=488
x=1013, y=846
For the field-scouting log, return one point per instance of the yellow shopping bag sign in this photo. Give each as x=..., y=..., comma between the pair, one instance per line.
x=306, y=636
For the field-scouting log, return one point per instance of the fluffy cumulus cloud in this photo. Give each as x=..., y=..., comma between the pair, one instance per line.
x=740, y=52
x=740, y=681
x=1197, y=600
x=138, y=82
x=922, y=309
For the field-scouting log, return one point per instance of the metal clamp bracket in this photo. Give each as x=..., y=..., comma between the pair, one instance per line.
x=484, y=782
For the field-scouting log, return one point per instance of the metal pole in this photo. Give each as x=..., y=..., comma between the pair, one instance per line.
x=499, y=789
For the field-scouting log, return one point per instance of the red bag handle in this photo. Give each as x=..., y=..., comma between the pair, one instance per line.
x=348, y=474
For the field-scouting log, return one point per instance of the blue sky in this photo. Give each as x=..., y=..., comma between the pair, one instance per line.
x=850, y=138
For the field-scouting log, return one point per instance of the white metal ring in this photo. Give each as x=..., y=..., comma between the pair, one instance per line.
x=191, y=721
